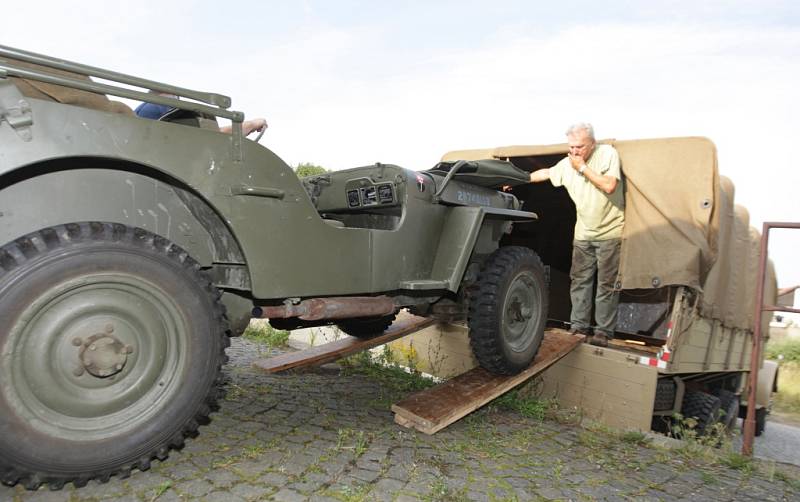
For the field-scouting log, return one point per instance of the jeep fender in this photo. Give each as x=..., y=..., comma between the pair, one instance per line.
x=53, y=193
x=470, y=230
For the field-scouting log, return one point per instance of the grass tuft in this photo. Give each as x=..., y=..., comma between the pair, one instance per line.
x=264, y=334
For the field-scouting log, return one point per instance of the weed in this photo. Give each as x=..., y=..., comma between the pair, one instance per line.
x=360, y=441
x=526, y=406
x=161, y=490
x=634, y=437
x=738, y=462
x=264, y=334
x=782, y=476
x=385, y=370
x=356, y=493
x=709, y=478
x=254, y=451
x=234, y=392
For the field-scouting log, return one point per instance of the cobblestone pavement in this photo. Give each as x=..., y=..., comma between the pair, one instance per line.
x=322, y=436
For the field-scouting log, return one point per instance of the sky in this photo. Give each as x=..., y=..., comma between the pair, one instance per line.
x=348, y=83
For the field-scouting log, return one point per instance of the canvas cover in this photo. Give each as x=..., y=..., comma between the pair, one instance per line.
x=52, y=92
x=489, y=173
x=681, y=224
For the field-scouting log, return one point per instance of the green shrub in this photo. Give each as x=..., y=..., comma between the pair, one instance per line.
x=308, y=169
x=788, y=348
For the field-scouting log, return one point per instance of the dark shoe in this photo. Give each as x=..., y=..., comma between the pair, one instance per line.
x=586, y=332
x=599, y=339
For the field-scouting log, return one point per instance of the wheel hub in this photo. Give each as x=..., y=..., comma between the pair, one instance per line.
x=102, y=354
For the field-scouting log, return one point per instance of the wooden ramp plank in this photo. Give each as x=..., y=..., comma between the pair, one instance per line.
x=338, y=349
x=433, y=409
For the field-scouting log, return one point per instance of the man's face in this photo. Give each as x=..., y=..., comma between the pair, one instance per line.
x=580, y=144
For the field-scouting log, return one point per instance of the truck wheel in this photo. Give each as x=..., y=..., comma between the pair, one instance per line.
x=366, y=327
x=761, y=421
x=665, y=395
x=508, y=312
x=702, y=407
x=728, y=408
x=112, y=343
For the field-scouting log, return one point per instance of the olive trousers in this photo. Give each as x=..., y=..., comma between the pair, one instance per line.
x=590, y=258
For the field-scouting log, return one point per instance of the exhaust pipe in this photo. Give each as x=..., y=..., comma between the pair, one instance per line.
x=317, y=309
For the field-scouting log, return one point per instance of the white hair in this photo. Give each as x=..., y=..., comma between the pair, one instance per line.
x=581, y=126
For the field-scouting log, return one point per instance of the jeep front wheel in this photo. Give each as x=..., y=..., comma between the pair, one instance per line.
x=508, y=312
x=112, y=343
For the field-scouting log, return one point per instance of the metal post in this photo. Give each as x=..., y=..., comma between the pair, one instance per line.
x=755, y=353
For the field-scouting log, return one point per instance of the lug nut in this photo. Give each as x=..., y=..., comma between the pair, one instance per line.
x=129, y=349
x=92, y=347
x=109, y=328
x=77, y=341
x=77, y=371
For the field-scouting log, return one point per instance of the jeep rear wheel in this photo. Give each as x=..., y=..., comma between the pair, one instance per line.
x=508, y=312
x=112, y=346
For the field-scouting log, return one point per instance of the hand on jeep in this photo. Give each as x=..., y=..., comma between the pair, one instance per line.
x=249, y=126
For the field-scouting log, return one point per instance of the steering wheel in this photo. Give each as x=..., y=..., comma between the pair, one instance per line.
x=261, y=133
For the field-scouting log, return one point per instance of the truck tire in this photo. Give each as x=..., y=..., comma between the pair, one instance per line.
x=366, y=327
x=761, y=418
x=761, y=421
x=702, y=407
x=508, y=312
x=665, y=395
x=112, y=344
x=728, y=409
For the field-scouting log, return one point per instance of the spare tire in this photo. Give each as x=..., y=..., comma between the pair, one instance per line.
x=702, y=407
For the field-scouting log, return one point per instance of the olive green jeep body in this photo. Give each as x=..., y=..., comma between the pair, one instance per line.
x=131, y=249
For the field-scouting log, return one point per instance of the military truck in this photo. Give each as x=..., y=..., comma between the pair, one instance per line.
x=132, y=249
x=688, y=275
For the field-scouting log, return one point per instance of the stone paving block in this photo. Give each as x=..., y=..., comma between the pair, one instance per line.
x=222, y=478
x=287, y=495
x=141, y=481
x=406, y=497
x=223, y=496
x=185, y=470
x=42, y=494
x=194, y=487
x=249, y=491
x=364, y=475
x=275, y=479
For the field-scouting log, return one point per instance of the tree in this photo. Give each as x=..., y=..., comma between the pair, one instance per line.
x=304, y=169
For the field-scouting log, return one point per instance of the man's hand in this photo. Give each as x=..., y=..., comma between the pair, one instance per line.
x=249, y=126
x=577, y=161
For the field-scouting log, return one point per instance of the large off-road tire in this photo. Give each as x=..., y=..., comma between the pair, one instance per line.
x=111, y=342
x=702, y=407
x=508, y=312
x=366, y=327
x=728, y=409
x=665, y=395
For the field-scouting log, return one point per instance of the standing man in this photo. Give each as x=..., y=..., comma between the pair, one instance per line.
x=591, y=174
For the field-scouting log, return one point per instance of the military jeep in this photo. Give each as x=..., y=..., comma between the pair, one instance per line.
x=132, y=249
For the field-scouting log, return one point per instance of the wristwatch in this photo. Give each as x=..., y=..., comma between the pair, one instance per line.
x=582, y=169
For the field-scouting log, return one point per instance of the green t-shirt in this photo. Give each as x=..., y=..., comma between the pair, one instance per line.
x=600, y=215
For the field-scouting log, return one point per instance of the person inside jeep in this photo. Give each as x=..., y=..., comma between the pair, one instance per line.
x=157, y=112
